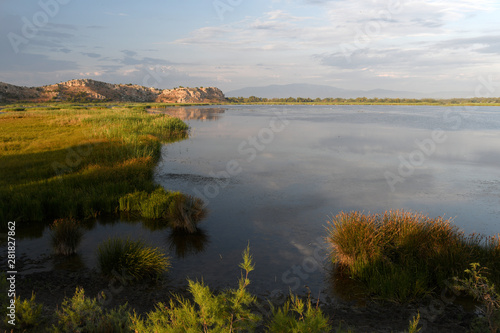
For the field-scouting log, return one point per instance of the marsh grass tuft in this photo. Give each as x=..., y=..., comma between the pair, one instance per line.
x=186, y=211
x=183, y=212
x=401, y=255
x=66, y=235
x=128, y=258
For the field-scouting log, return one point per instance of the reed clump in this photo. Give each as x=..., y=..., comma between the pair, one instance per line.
x=401, y=255
x=180, y=211
x=131, y=259
x=66, y=235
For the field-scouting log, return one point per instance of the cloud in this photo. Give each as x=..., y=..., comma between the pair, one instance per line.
x=129, y=53
x=91, y=55
x=481, y=44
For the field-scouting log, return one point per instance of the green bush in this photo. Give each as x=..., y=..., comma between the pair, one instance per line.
x=401, y=255
x=478, y=286
x=66, y=235
x=81, y=314
x=228, y=311
x=28, y=313
x=297, y=316
x=132, y=259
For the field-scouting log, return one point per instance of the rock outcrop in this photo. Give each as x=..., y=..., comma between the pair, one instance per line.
x=87, y=90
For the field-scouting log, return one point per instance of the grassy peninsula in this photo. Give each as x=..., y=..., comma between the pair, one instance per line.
x=77, y=161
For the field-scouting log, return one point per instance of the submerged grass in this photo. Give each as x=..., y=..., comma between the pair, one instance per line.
x=78, y=162
x=402, y=256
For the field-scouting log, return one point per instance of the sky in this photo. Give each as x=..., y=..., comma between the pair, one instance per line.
x=420, y=46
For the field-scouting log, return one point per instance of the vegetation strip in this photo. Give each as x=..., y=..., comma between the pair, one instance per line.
x=78, y=161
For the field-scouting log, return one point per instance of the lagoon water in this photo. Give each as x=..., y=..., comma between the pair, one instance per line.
x=272, y=176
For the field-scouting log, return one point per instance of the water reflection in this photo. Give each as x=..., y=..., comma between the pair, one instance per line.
x=155, y=225
x=68, y=263
x=343, y=287
x=184, y=243
x=191, y=113
x=31, y=230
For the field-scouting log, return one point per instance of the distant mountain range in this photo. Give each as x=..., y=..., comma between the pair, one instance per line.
x=323, y=91
x=86, y=90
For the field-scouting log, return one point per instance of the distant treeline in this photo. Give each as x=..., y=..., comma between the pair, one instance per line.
x=365, y=100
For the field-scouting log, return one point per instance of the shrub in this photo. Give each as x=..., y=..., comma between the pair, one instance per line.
x=28, y=313
x=297, y=316
x=478, y=286
x=66, y=236
x=81, y=314
x=131, y=258
x=226, y=312
x=401, y=255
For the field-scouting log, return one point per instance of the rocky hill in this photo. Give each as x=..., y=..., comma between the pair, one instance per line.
x=86, y=90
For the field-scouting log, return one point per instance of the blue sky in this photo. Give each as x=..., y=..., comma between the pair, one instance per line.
x=421, y=46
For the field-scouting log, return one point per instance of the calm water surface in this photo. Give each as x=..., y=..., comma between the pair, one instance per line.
x=272, y=176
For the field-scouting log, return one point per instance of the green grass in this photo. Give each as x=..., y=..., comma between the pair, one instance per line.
x=131, y=259
x=297, y=316
x=66, y=235
x=402, y=256
x=77, y=162
x=180, y=211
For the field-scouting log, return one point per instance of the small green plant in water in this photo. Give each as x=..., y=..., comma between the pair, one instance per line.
x=228, y=311
x=132, y=259
x=479, y=287
x=66, y=235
